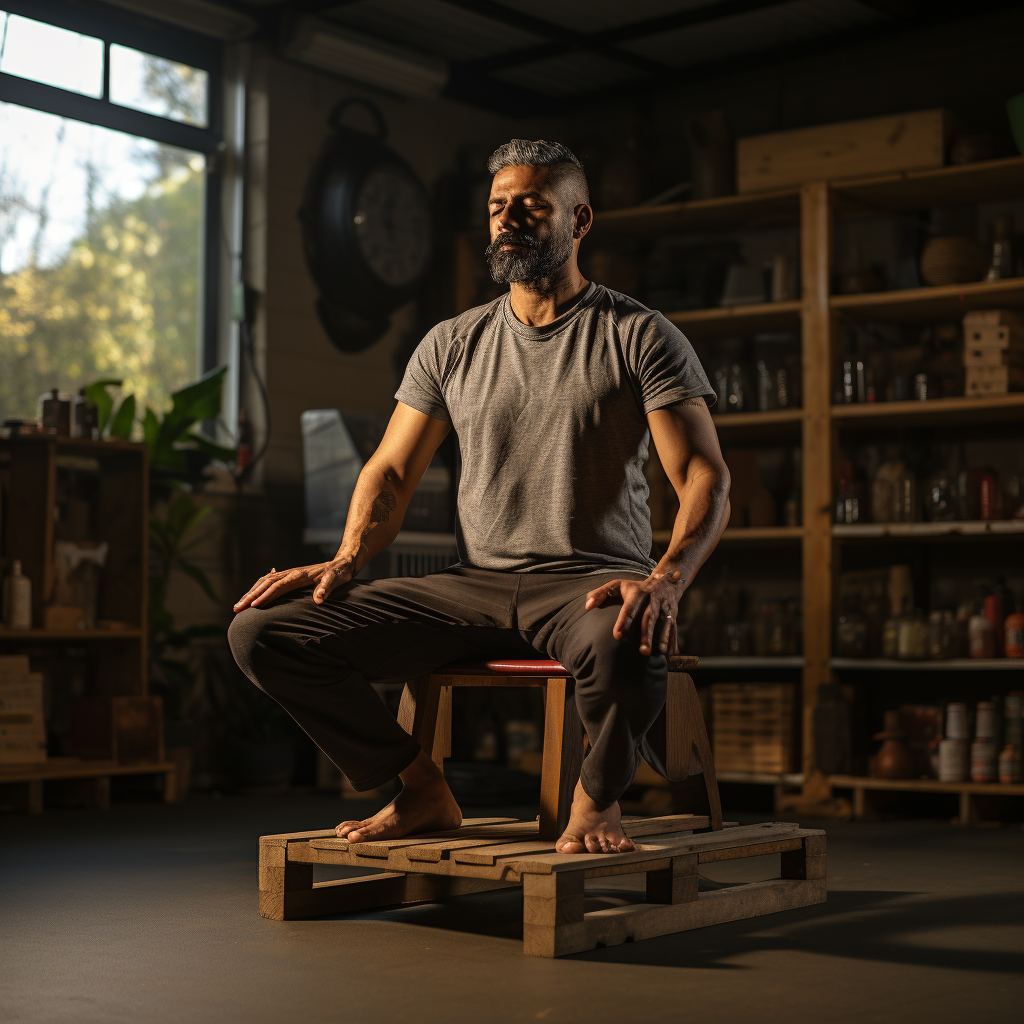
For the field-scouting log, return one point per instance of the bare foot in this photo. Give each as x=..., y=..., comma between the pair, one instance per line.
x=593, y=830
x=425, y=804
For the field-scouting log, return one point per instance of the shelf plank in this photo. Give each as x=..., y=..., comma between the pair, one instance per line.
x=760, y=209
x=747, y=420
x=747, y=534
x=950, y=665
x=927, y=531
x=763, y=778
x=70, y=634
x=751, y=661
x=942, y=411
x=77, y=768
x=757, y=316
x=927, y=785
x=984, y=181
x=942, y=302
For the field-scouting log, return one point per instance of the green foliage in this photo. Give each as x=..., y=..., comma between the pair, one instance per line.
x=123, y=299
x=98, y=394
x=124, y=419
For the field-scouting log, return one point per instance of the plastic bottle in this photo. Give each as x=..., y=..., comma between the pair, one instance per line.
x=1009, y=764
x=982, y=637
x=17, y=599
x=1014, y=635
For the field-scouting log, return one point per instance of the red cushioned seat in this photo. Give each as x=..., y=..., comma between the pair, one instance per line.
x=507, y=667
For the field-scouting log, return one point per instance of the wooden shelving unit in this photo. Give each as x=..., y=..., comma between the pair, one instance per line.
x=760, y=316
x=967, y=791
x=817, y=426
x=747, y=534
x=1001, y=528
x=948, y=665
x=116, y=657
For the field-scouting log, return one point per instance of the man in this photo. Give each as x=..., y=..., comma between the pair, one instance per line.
x=553, y=390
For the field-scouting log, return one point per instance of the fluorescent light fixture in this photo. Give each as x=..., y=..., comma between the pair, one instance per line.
x=364, y=59
x=197, y=15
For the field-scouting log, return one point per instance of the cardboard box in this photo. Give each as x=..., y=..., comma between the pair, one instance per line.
x=992, y=380
x=22, y=725
x=1012, y=318
x=128, y=730
x=993, y=337
x=993, y=357
x=877, y=145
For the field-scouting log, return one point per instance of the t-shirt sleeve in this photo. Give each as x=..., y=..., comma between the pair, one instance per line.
x=666, y=367
x=421, y=385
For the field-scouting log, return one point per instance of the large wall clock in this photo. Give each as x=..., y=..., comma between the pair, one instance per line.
x=366, y=231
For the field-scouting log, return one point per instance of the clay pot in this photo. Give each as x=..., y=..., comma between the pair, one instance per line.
x=952, y=260
x=894, y=759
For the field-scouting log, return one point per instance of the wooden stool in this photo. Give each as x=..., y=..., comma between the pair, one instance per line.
x=426, y=714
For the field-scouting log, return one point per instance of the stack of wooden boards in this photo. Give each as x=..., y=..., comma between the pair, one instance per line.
x=754, y=727
x=22, y=725
x=993, y=352
x=559, y=915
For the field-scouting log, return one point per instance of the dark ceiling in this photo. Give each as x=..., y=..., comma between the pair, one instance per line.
x=516, y=55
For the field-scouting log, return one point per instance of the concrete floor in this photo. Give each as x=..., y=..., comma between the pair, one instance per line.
x=148, y=914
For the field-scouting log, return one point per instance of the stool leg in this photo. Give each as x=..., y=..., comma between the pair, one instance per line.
x=686, y=739
x=563, y=756
x=426, y=714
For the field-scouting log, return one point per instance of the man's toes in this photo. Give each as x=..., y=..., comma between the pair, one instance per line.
x=570, y=844
x=625, y=845
x=593, y=843
x=344, y=828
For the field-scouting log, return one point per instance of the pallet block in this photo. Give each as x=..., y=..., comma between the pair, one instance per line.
x=497, y=853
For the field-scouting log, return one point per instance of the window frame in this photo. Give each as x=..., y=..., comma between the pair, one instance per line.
x=117, y=25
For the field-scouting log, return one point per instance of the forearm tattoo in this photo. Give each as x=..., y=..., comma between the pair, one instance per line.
x=383, y=505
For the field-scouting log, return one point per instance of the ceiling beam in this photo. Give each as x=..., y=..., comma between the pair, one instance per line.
x=606, y=42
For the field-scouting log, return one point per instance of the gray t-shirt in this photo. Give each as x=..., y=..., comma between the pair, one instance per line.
x=552, y=429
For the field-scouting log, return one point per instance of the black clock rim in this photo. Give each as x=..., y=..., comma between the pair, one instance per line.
x=332, y=248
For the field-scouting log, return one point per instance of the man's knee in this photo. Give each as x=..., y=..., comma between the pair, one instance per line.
x=247, y=638
x=613, y=664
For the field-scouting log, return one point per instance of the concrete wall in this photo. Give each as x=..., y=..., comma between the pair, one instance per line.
x=290, y=106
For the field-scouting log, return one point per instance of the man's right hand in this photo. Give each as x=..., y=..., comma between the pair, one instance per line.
x=327, y=576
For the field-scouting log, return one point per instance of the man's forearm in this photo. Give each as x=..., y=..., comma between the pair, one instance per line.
x=375, y=515
x=700, y=522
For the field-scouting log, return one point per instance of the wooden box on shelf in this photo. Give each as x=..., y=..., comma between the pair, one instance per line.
x=22, y=726
x=900, y=142
x=753, y=726
x=127, y=730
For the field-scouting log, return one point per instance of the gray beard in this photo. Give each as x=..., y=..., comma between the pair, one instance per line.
x=526, y=266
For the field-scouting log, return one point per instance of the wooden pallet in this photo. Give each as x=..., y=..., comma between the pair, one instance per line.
x=497, y=853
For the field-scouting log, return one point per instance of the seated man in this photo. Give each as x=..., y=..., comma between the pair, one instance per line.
x=554, y=391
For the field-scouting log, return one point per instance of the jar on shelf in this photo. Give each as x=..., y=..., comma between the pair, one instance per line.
x=981, y=637
x=942, y=502
x=1013, y=632
x=912, y=638
x=851, y=635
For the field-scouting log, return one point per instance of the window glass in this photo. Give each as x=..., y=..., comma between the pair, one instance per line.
x=100, y=260
x=51, y=55
x=158, y=86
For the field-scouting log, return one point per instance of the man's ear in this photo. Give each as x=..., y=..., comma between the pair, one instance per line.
x=584, y=219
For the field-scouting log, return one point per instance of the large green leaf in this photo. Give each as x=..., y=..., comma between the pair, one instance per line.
x=124, y=419
x=215, y=451
x=150, y=430
x=98, y=394
x=183, y=516
x=199, y=401
x=200, y=577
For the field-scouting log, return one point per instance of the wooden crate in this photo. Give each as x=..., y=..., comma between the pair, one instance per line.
x=22, y=726
x=753, y=726
x=877, y=145
x=496, y=853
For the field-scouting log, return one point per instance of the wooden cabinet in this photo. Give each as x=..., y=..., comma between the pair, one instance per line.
x=95, y=492
x=813, y=209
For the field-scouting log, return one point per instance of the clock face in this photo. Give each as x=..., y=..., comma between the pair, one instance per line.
x=392, y=226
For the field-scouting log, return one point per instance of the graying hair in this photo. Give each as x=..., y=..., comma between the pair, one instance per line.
x=541, y=153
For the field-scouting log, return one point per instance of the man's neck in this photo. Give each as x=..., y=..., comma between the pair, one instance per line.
x=539, y=303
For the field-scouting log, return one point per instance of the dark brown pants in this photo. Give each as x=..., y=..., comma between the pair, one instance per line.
x=318, y=661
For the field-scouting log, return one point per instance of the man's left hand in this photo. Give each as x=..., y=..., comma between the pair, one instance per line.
x=657, y=597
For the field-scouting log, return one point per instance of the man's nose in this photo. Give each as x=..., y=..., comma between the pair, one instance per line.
x=507, y=220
